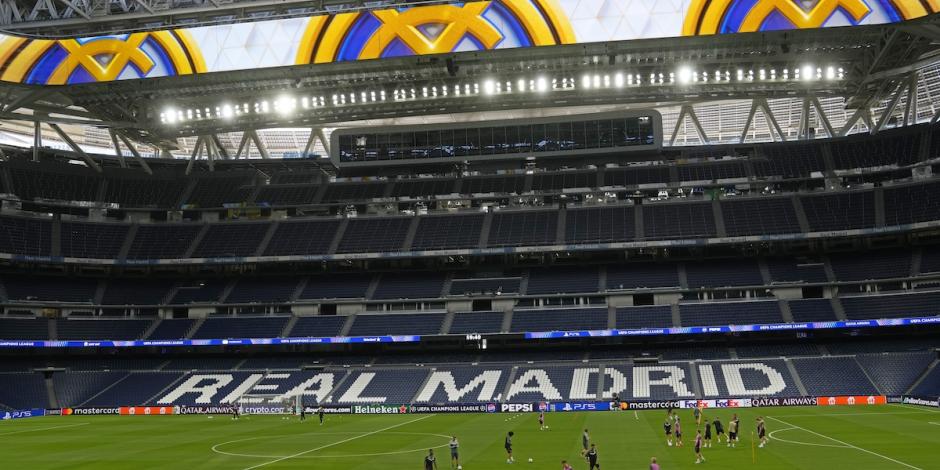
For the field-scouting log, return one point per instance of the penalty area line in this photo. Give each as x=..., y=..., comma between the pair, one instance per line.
x=846, y=444
x=298, y=454
x=44, y=429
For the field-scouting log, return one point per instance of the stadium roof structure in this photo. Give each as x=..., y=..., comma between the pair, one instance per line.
x=870, y=72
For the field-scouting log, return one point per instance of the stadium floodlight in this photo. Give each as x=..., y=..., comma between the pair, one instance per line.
x=808, y=72
x=618, y=80
x=227, y=111
x=586, y=81
x=169, y=116
x=284, y=105
x=489, y=87
x=541, y=84
x=684, y=75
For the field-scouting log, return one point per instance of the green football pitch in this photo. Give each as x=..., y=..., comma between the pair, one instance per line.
x=885, y=437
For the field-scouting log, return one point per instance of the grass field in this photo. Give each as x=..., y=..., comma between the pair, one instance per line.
x=886, y=437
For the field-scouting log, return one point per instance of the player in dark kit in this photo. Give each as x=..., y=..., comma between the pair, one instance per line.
x=508, y=446
x=719, y=430
x=320, y=413
x=708, y=433
x=678, y=431
x=541, y=420
x=592, y=458
x=761, y=431
x=699, y=458
x=303, y=413
x=430, y=462
x=235, y=413
x=667, y=426
x=585, y=440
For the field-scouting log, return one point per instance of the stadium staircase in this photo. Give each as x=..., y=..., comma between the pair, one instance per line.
x=196, y=325
x=50, y=393
x=448, y=321
x=923, y=376
x=153, y=326
x=868, y=375
x=289, y=326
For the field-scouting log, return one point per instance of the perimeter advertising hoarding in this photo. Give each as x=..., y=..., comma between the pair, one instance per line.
x=20, y=414
x=419, y=30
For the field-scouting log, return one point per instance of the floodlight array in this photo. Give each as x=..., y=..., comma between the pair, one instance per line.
x=685, y=76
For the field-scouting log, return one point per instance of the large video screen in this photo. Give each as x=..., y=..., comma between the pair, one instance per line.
x=418, y=30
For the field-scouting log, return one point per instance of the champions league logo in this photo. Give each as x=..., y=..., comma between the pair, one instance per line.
x=7, y=416
x=99, y=59
x=742, y=16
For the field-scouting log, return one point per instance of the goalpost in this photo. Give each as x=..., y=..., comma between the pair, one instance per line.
x=269, y=404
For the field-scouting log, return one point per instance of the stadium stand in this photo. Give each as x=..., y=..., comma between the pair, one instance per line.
x=730, y=313
x=678, y=220
x=846, y=211
x=529, y=228
x=477, y=322
x=24, y=236
x=232, y=239
x=302, y=238
x=156, y=241
x=251, y=327
x=925, y=304
x=375, y=235
x=563, y=280
x=397, y=324
x=832, y=376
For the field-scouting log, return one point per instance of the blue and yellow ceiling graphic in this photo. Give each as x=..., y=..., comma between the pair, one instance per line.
x=419, y=30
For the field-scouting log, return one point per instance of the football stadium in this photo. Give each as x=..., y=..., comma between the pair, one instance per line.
x=555, y=234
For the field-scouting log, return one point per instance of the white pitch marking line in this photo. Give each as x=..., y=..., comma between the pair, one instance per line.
x=933, y=423
x=918, y=408
x=44, y=429
x=846, y=444
x=771, y=434
x=850, y=414
x=337, y=443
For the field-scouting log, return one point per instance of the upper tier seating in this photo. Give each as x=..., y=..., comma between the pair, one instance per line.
x=678, y=220
x=658, y=316
x=251, y=327
x=25, y=236
x=839, y=211
x=812, y=310
x=882, y=264
x=156, y=241
x=172, y=329
x=730, y=313
x=302, y=238
x=600, y=225
x=723, y=274
x=50, y=289
x=911, y=203
x=263, y=290
x=375, y=235
x=80, y=329
x=759, y=216
x=397, y=324
x=642, y=275
x=409, y=286
x=92, y=240
x=336, y=286
x=477, y=322
x=865, y=307
x=24, y=328
x=524, y=228
x=559, y=320
x=232, y=239
x=563, y=280
x=796, y=270
x=443, y=233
